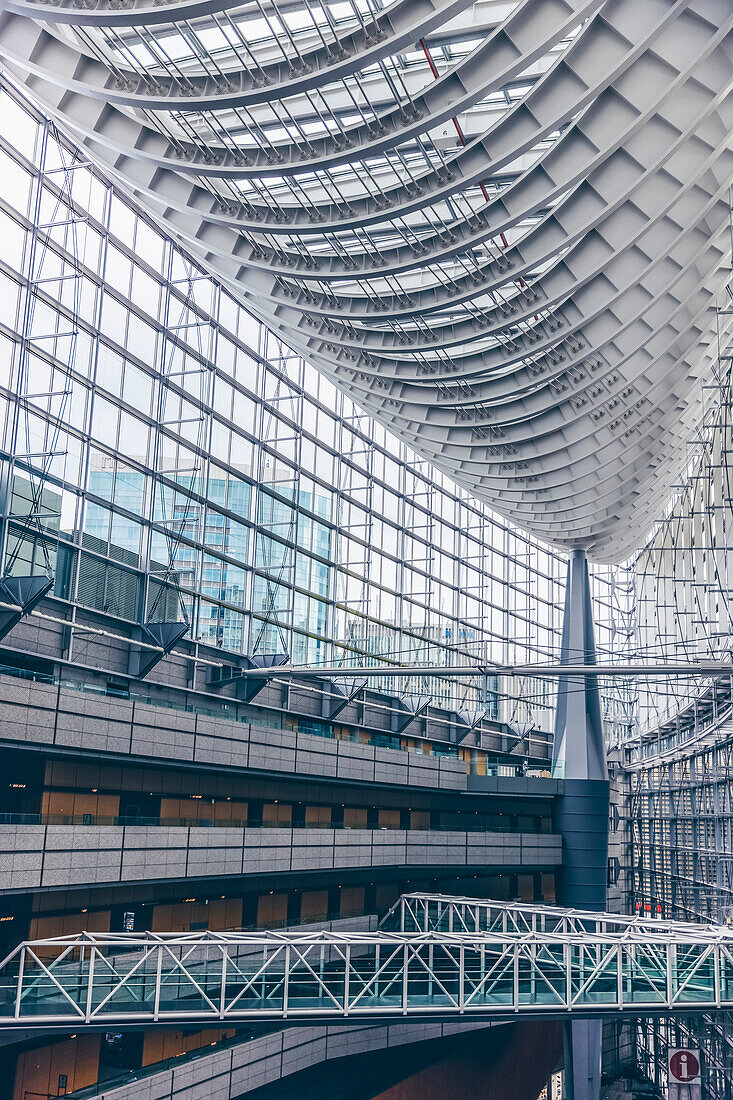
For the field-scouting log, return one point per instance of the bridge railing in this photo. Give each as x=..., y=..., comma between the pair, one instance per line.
x=422, y=912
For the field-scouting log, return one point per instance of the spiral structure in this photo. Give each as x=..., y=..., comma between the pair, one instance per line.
x=500, y=226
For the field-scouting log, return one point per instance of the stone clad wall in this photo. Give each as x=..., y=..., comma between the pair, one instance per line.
x=240, y=1069
x=40, y=714
x=46, y=856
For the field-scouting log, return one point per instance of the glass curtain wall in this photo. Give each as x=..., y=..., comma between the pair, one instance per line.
x=166, y=456
x=682, y=578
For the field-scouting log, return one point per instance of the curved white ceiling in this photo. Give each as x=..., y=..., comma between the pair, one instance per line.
x=500, y=226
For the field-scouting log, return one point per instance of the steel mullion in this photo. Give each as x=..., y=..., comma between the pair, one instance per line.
x=286, y=982
x=90, y=984
x=568, y=958
x=158, y=971
x=515, y=976
x=19, y=993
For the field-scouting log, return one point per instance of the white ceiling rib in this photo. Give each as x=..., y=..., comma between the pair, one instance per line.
x=500, y=227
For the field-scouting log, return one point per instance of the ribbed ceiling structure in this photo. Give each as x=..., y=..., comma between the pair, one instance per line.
x=500, y=226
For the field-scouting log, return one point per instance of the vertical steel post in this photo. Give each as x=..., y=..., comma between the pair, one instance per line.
x=90, y=986
x=582, y=809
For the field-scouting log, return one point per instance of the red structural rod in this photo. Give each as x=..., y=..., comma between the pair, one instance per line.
x=461, y=138
x=455, y=121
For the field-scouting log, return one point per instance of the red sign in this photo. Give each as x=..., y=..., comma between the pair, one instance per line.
x=684, y=1066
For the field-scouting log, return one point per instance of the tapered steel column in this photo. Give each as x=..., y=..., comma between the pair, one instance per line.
x=581, y=812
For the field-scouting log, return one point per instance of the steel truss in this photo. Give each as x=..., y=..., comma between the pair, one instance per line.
x=422, y=912
x=682, y=817
x=681, y=755
x=530, y=961
x=517, y=304
x=448, y=556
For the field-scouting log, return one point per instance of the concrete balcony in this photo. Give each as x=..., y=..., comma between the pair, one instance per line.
x=36, y=857
x=45, y=715
x=40, y=715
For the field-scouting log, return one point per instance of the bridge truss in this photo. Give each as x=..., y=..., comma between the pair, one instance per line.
x=517, y=961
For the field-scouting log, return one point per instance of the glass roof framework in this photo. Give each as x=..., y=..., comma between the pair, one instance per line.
x=497, y=226
x=175, y=436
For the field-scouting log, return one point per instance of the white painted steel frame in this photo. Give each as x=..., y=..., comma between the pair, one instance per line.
x=421, y=912
x=534, y=962
x=529, y=307
x=466, y=555
x=681, y=815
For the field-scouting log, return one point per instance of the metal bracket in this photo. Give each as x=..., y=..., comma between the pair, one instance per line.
x=247, y=687
x=347, y=688
x=21, y=594
x=469, y=720
x=162, y=635
x=522, y=731
x=413, y=707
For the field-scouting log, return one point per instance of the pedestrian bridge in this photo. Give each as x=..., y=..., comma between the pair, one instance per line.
x=432, y=956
